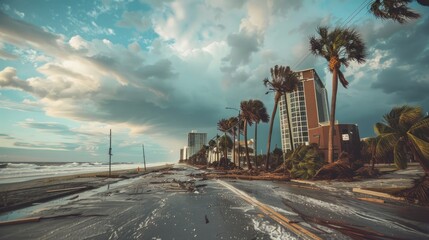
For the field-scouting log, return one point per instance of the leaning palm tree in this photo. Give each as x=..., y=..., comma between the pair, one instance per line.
x=282, y=78
x=260, y=115
x=405, y=131
x=396, y=10
x=338, y=47
x=225, y=144
x=247, y=116
x=223, y=126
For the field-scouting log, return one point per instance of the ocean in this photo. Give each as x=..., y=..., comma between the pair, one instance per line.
x=19, y=172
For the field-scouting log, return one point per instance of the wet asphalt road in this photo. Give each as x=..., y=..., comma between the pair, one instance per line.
x=176, y=206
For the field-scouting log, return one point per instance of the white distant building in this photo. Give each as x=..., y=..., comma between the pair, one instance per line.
x=183, y=152
x=195, y=142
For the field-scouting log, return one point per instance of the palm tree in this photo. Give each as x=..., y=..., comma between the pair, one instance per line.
x=260, y=115
x=396, y=10
x=247, y=116
x=405, y=131
x=223, y=126
x=282, y=81
x=338, y=47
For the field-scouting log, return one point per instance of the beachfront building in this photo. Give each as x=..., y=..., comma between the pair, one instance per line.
x=307, y=107
x=195, y=142
x=309, y=118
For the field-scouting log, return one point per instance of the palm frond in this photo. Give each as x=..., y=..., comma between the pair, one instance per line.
x=396, y=10
x=381, y=128
x=386, y=143
x=410, y=115
x=343, y=44
x=222, y=125
x=421, y=129
x=343, y=80
x=400, y=155
x=266, y=82
x=421, y=146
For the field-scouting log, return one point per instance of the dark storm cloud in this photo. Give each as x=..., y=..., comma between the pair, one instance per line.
x=52, y=127
x=179, y=112
x=21, y=33
x=242, y=44
x=162, y=69
x=56, y=128
x=409, y=85
x=408, y=76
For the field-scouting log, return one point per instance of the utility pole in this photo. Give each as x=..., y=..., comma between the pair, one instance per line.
x=144, y=158
x=110, y=154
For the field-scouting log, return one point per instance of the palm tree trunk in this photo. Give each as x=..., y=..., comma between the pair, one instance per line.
x=373, y=157
x=332, y=116
x=217, y=152
x=233, y=148
x=239, y=144
x=288, y=124
x=255, y=150
x=249, y=165
x=225, y=145
x=276, y=102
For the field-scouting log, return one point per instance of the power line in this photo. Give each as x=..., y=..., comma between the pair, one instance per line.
x=359, y=9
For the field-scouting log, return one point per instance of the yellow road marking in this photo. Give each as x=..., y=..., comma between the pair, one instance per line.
x=282, y=220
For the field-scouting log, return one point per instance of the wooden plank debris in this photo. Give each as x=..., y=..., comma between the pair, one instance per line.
x=19, y=221
x=377, y=194
x=374, y=200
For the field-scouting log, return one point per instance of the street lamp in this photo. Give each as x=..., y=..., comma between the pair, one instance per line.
x=239, y=113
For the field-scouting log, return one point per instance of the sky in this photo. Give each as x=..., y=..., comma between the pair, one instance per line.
x=153, y=70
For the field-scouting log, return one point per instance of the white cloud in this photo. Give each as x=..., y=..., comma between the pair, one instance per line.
x=19, y=14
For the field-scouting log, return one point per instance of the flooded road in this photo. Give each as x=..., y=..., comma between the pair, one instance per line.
x=174, y=205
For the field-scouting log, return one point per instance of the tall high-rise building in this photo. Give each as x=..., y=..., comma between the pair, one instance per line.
x=195, y=142
x=307, y=108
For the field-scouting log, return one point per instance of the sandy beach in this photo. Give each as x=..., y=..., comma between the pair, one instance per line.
x=22, y=194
